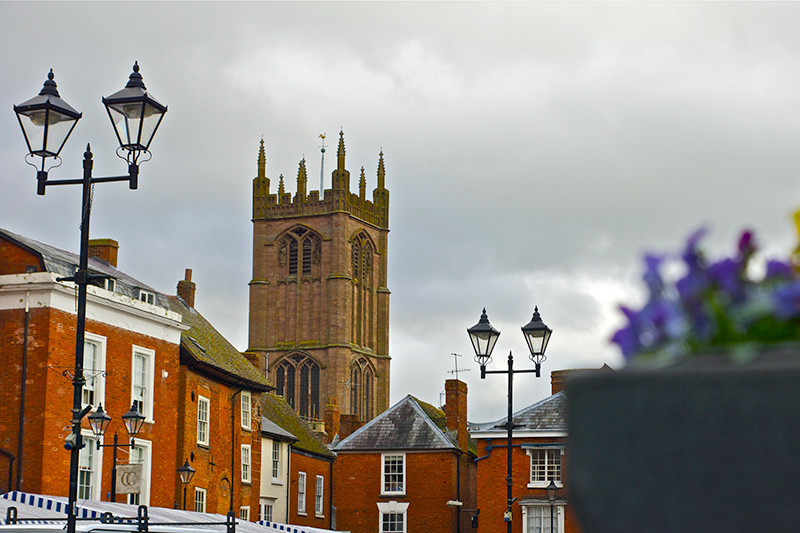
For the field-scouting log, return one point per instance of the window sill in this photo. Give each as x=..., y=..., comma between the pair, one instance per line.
x=393, y=494
x=277, y=481
x=204, y=445
x=544, y=484
x=301, y=513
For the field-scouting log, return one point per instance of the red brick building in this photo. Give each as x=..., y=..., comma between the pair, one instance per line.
x=197, y=392
x=218, y=427
x=539, y=455
x=131, y=355
x=399, y=471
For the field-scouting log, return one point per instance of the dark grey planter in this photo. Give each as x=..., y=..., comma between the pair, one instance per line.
x=709, y=447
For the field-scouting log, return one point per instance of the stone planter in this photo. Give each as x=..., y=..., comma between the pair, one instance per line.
x=708, y=446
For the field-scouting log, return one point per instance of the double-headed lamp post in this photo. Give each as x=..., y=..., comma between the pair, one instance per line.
x=484, y=337
x=99, y=420
x=47, y=122
x=186, y=474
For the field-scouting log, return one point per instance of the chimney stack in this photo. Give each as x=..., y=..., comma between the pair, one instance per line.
x=186, y=289
x=455, y=410
x=105, y=250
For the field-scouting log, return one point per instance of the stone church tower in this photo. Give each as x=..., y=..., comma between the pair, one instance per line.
x=319, y=302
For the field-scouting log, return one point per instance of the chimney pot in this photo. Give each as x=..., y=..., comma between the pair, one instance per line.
x=187, y=288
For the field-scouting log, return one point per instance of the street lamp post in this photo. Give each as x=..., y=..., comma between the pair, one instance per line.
x=186, y=473
x=47, y=122
x=484, y=337
x=99, y=421
x=552, y=492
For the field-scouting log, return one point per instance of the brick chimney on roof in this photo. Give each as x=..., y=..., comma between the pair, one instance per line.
x=105, y=250
x=186, y=289
x=455, y=410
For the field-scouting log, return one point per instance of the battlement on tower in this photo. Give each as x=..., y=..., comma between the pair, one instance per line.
x=338, y=198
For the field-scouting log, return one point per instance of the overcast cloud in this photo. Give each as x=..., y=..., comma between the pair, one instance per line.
x=534, y=151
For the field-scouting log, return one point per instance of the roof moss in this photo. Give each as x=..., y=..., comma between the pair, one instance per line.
x=278, y=410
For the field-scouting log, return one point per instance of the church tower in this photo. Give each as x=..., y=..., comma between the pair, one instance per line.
x=319, y=302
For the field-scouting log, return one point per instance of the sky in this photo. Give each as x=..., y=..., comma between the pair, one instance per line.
x=534, y=152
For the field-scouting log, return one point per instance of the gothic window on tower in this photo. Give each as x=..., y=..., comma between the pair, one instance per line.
x=297, y=380
x=299, y=252
x=362, y=379
x=363, y=296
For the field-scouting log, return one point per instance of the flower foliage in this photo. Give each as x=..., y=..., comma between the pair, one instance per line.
x=714, y=306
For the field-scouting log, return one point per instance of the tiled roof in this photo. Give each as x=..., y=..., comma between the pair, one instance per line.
x=64, y=264
x=277, y=410
x=546, y=415
x=206, y=346
x=271, y=429
x=404, y=426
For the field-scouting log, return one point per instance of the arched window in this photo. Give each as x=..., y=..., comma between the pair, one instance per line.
x=363, y=290
x=297, y=380
x=299, y=251
x=362, y=379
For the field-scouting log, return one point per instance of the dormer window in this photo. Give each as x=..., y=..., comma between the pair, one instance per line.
x=147, y=296
x=110, y=284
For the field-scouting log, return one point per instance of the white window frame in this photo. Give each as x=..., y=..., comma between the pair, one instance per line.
x=277, y=451
x=538, y=483
x=246, y=404
x=301, y=493
x=319, y=497
x=147, y=297
x=110, y=284
x=266, y=510
x=200, y=500
x=244, y=513
x=392, y=508
x=389, y=491
x=203, y=425
x=247, y=476
x=96, y=475
x=147, y=455
x=146, y=399
x=544, y=508
x=95, y=382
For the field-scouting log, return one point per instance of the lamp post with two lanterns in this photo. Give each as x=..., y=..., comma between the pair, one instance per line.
x=99, y=421
x=484, y=337
x=47, y=122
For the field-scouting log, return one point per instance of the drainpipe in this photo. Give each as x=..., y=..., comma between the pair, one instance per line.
x=233, y=445
x=10, y=467
x=23, y=390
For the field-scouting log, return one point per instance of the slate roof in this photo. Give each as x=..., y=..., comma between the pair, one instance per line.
x=404, y=426
x=546, y=415
x=277, y=410
x=64, y=264
x=204, y=348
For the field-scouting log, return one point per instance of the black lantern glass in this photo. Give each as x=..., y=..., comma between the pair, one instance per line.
x=46, y=120
x=99, y=421
x=186, y=473
x=135, y=114
x=133, y=421
x=537, y=335
x=552, y=491
x=483, y=337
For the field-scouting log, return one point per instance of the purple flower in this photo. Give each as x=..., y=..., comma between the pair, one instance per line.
x=778, y=270
x=728, y=276
x=786, y=300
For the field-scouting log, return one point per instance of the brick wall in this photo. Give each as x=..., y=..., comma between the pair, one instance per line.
x=430, y=482
x=491, y=485
x=50, y=352
x=212, y=462
x=313, y=467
